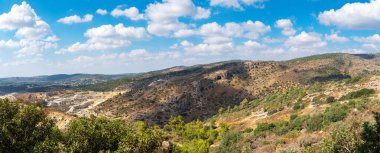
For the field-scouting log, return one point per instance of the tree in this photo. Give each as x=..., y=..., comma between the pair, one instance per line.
x=143, y=139
x=371, y=136
x=26, y=128
x=95, y=134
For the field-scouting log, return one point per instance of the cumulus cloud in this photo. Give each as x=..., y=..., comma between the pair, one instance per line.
x=31, y=32
x=353, y=16
x=218, y=39
x=76, y=19
x=163, y=18
x=248, y=29
x=108, y=37
x=287, y=27
x=237, y=4
x=370, y=39
x=334, y=37
x=9, y=44
x=305, y=42
x=101, y=11
x=370, y=42
x=131, y=13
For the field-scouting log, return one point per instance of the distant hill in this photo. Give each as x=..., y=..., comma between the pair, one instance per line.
x=53, y=82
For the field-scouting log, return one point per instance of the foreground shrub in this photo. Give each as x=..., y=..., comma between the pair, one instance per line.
x=26, y=129
x=229, y=143
x=343, y=138
x=371, y=136
x=95, y=134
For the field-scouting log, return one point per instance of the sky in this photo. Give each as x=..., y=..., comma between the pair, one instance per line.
x=129, y=36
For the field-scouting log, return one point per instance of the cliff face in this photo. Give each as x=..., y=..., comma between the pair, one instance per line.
x=198, y=92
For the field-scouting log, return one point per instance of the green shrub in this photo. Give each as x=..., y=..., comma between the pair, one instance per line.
x=298, y=105
x=358, y=104
x=335, y=113
x=371, y=136
x=343, y=138
x=143, y=139
x=353, y=80
x=330, y=99
x=263, y=127
x=229, y=143
x=95, y=134
x=195, y=145
x=26, y=129
x=357, y=94
x=248, y=130
x=314, y=123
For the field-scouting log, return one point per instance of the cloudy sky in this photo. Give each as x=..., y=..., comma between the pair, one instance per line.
x=124, y=36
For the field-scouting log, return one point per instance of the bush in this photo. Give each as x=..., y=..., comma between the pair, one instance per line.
x=196, y=145
x=293, y=116
x=263, y=127
x=335, y=113
x=357, y=94
x=371, y=135
x=353, y=80
x=143, y=139
x=229, y=143
x=298, y=105
x=95, y=134
x=343, y=138
x=330, y=99
x=26, y=129
x=314, y=123
x=358, y=104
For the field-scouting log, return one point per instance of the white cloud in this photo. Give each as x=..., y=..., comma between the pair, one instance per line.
x=31, y=32
x=185, y=33
x=353, y=16
x=334, y=37
x=137, y=53
x=370, y=39
x=272, y=40
x=186, y=43
x=370, y=46
x=249, y=29
x=108, y=37
x=287, y=27
x=76, y=19
x=253, y=44
x=101, y=11
x=131, y=13
x=9, y=44
x=20, y=16
x=305, y=42
x=370, y=42
x=163, y=18
x=202, y=13
x=237, y=4
x=218, y=39
x=209, y=49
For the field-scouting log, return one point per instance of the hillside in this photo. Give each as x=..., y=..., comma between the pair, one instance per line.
x=300, y=105
x=199, y=92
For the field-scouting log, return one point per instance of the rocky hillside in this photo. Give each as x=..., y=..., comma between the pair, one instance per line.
x=199, y=92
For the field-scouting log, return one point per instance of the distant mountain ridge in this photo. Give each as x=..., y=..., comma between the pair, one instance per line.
x=53, y=82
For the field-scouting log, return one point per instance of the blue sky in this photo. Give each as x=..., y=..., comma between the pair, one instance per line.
x=125, y=36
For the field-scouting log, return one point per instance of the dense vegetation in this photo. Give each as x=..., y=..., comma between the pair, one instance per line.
x=26, y=128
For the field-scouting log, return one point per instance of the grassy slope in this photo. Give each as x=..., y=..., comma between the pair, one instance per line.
x=307, y=103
